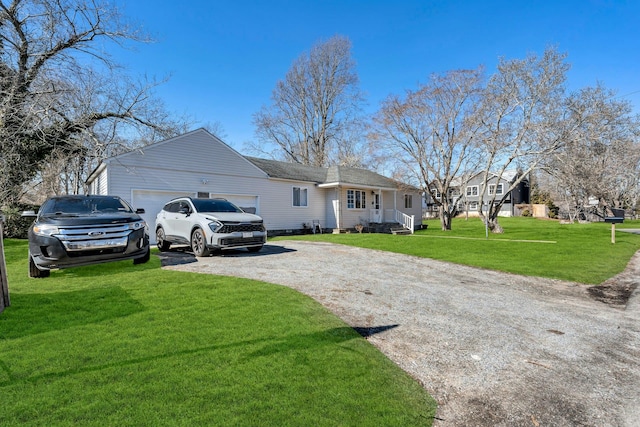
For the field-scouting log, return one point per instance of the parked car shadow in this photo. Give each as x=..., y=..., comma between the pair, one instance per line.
x=180, y=255
x=176, y=256
x=372, y=330
x=268, y=249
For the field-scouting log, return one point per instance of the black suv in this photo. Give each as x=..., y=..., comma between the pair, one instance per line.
x=70, y=231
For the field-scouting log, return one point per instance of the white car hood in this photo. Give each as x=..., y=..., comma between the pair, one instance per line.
x=231, y=216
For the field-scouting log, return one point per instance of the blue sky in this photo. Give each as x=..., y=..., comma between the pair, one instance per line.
x=225, y=57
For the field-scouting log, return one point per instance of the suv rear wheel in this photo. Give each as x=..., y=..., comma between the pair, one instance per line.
x=199, y=243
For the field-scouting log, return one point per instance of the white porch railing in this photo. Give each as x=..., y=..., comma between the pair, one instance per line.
x=407, y=221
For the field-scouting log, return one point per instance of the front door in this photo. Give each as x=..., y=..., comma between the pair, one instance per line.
x=376, y=213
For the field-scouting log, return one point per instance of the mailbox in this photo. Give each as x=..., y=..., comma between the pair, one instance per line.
x=617, y=218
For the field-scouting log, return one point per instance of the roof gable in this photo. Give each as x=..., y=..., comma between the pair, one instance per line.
x=196, y=151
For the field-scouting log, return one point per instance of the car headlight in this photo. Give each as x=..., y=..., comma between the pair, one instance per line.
x=137, y=225
x=215, y=226
x=45, y=229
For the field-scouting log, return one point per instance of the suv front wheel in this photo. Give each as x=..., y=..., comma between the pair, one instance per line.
x=35, y=271
x=163, y=245
x=199, y=243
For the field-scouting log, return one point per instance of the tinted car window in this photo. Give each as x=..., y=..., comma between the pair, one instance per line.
x=171, y=207
x=84, y=205
x=215, y=205
x=184, y=207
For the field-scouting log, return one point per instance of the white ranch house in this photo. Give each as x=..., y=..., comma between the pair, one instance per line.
x=289, y=197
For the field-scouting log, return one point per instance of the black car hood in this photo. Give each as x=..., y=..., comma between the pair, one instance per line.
x=88, y=219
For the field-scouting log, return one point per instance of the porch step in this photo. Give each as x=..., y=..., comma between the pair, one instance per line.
x=400, y=230
x=386, y=228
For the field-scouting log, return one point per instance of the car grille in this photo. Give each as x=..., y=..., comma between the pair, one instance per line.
x=239, y=241
x=240, y=227
x=99, y=238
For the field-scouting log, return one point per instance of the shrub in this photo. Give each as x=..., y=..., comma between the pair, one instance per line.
x=15, y=226
x=526, y=212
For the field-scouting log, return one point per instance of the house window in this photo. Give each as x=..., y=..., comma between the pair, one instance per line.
x=408, y=201
x=472, y=190
x=300, y=197
x=499, y=191
x=436, y=193
x=473, y=206
x=356, y=199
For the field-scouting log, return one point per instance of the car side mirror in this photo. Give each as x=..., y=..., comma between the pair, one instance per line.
x=28, y=214
x=184, y=211
x=140, y=211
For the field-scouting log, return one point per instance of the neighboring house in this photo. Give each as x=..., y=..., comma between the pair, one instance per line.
x=468, y=194
x=289, y=197
x=519, y=195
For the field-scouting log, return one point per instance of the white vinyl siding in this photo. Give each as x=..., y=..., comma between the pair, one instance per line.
x=101, y=184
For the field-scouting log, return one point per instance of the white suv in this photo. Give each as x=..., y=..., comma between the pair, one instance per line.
x=208, y=224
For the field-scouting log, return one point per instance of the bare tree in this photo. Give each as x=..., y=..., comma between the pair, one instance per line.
x=60, y=91
x=314, y=109
x=523, y=122
x=601, y=159
x=434, y=132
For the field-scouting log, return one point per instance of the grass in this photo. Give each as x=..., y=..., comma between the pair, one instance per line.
x=117, y=344
x=579, y=252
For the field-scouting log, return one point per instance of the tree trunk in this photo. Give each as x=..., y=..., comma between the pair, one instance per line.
x=445, y=218
x=494, y=227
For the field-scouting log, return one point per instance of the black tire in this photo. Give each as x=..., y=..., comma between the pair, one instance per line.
x=163, y=245
x=143, y=259
x=254, y=248
x=35, y=272
x=199, y=243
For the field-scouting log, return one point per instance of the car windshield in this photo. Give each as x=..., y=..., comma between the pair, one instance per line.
x=215, y=205
x=85, y=205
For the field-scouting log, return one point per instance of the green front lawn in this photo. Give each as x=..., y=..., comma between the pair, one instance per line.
x=529, y=246
x=118, y=345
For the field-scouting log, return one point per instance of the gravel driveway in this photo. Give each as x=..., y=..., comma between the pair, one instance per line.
x=494, y=349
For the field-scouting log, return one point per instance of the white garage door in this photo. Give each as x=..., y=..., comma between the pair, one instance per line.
x=243, y=201
x=152, y=202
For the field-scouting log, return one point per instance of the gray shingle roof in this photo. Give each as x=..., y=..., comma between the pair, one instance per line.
x=333, y=174
x=293, y=171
